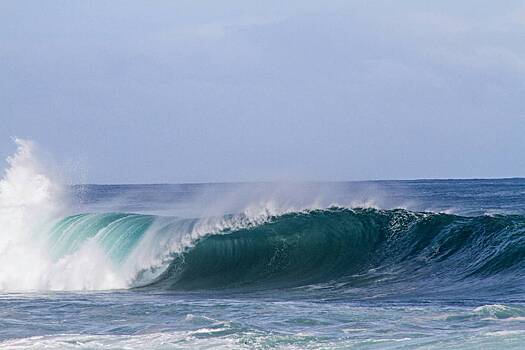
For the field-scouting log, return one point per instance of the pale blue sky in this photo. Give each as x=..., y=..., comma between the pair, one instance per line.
x=187, y=91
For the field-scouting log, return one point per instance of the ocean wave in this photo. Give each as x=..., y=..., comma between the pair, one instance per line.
x=342, y=246
x=44, y=248
x=351, y=247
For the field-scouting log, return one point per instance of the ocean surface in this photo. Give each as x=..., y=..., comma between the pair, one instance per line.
x=428, y=264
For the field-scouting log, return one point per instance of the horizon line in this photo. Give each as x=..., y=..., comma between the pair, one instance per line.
x=297, y=181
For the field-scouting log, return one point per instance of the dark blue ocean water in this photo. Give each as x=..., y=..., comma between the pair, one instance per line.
x=430, y=264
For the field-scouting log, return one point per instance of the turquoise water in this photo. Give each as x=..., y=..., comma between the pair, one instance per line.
x=372, y=265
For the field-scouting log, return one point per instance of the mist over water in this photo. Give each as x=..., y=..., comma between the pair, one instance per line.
x=246, y=265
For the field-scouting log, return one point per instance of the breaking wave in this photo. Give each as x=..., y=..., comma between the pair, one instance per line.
x=44, y=248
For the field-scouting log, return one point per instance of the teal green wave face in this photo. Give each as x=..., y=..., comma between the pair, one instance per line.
x=351, y=248
x=354, y=248
x=116, y=233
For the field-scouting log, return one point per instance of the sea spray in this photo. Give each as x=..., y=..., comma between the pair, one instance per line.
x=30, y=201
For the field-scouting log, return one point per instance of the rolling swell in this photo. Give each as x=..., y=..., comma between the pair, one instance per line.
x=354, y=248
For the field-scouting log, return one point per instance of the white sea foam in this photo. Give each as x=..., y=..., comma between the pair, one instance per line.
x=30, y=201
x=179, y=339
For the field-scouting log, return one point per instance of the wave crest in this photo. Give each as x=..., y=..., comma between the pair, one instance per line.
x=355, y=247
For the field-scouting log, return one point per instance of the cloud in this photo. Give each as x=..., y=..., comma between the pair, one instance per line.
x=337, y=87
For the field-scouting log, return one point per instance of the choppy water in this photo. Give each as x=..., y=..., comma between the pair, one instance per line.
x=123, y=320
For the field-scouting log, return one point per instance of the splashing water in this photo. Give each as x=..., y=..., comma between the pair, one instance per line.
x=30, y=202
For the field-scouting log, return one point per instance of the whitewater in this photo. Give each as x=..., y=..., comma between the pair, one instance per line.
x=427, y=264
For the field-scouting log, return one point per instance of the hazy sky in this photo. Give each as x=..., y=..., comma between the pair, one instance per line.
x=195, y=91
